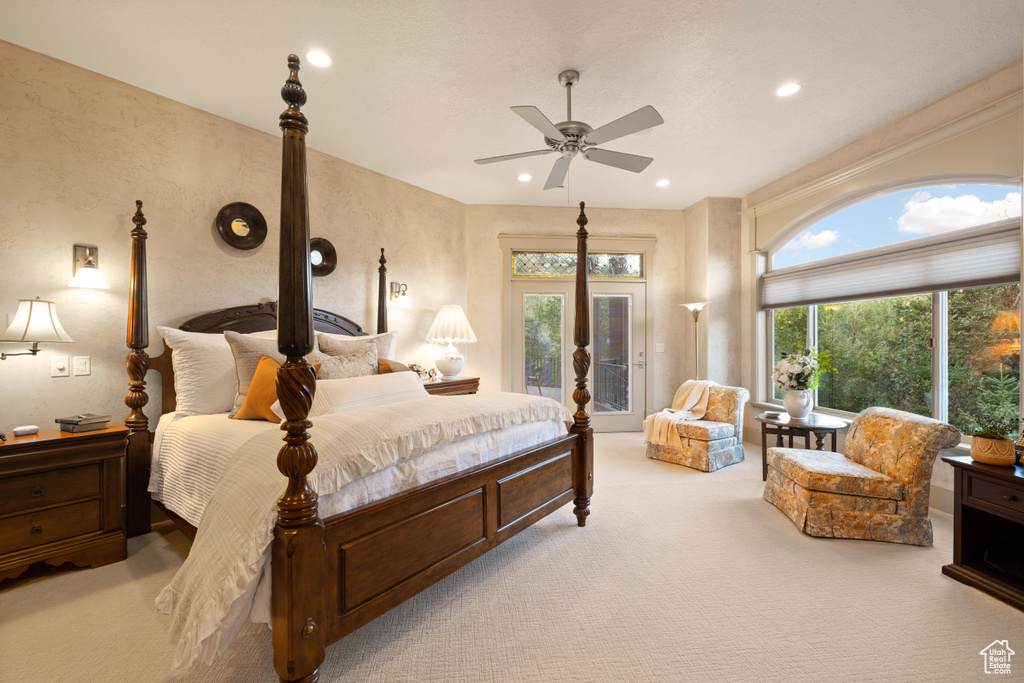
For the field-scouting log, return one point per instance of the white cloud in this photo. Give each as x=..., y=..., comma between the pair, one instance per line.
x=810, y=240
x=927, y=215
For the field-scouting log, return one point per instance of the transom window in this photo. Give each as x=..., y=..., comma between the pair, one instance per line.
x=916, y=297
x=563, y=264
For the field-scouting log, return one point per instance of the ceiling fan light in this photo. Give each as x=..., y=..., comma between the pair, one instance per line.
x=663, y=182
x=525, y=177
x=788, y=89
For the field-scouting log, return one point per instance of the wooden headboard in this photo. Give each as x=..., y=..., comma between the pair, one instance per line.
x=243, y=319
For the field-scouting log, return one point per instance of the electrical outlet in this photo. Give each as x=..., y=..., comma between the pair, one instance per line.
x=59, y=366
x=82, y=365
x=659, y=348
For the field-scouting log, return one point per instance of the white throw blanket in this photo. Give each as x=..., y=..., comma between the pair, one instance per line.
x=238, y=525
x=689, y=403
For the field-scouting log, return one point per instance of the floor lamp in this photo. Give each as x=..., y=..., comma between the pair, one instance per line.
x=696, y=309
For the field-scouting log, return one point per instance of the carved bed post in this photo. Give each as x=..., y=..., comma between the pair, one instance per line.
x=382, y=295
x=299, y=555
x=137, y=454
x=581, y=364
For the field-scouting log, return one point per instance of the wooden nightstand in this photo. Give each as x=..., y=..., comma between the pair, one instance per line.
x=451, y=387
x=62, y=499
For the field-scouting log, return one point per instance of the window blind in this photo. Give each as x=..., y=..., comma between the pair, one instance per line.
x=986, y=255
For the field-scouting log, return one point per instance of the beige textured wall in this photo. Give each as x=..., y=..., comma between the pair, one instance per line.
x=713, y=274
x=665, y=287
x=76, y=150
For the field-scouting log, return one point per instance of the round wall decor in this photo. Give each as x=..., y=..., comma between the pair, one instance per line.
x=241, y=225
x=323, y=259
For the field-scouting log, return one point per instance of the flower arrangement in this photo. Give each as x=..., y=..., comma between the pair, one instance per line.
x=417, y=368
x=802, y=371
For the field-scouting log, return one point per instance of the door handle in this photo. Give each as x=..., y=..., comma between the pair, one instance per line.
x=640, y=364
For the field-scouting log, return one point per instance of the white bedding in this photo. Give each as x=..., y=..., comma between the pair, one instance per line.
x=423, y=440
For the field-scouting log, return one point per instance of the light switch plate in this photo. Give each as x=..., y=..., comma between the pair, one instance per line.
x=659, y=348
x=82, y=365
x=59, y=366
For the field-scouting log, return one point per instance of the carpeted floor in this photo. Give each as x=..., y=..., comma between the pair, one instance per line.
x=679, y=576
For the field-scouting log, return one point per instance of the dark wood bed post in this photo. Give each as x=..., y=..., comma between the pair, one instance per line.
x=137, y=453
x=299, y=556
x=584, y=483
x=382, y=297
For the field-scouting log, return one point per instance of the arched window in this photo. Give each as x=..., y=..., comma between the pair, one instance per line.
x=915, y=294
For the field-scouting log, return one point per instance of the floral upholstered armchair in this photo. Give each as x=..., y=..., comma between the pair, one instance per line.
x=878, y=491
x=713, y=442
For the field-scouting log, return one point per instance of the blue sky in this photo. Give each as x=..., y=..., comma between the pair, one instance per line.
x=900, y=216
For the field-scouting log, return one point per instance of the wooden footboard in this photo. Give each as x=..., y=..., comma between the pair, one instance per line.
x=380, y=555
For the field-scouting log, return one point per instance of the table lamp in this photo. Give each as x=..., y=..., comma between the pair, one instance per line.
x=450, y=326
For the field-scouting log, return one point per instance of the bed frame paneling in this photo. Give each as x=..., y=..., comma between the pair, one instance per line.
x=332, y=576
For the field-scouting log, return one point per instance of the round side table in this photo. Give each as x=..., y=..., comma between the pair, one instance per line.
x=782, y=426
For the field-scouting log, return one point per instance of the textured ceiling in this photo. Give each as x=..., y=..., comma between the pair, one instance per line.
x=420, y=89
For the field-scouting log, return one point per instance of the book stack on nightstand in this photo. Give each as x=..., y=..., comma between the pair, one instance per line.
x=86, y=422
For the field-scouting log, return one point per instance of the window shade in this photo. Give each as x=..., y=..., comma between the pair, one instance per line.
x=986, y=255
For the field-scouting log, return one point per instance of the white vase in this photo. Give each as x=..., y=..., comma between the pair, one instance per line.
x=449, y=366
x=798, y=403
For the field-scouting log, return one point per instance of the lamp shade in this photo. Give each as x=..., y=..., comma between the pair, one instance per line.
x=36, y=321
x=89, y=277
x=696, y=307
x=450, y=326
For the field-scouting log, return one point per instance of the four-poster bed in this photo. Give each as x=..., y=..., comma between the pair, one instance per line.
x=332, y=575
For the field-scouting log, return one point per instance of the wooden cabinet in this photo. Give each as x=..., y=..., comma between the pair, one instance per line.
x=62, y=499
x=452, y=387
x=988, y=512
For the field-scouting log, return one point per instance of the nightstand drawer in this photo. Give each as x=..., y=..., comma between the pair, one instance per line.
x=47, y=488
x=997, y=493
x=47, y=526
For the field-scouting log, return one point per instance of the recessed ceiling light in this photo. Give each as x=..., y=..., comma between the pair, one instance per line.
x=662, y=183
x=317, y=58
x=525, y=177
x=787, y=89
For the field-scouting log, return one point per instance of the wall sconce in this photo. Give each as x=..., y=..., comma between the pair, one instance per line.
x=36, y=321
x=399, y=295
x=87, y=268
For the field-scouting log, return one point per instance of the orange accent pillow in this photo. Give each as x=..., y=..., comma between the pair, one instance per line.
x=262, y=393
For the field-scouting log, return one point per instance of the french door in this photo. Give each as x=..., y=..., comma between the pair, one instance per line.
x=542, y=315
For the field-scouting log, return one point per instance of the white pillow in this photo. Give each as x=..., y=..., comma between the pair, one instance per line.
x=246, y=350
x=342, y=395
x=204, y=370
x=340, y=344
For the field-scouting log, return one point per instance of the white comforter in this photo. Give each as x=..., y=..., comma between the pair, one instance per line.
x=213, y=591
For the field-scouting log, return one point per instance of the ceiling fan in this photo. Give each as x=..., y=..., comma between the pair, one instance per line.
x=570, y=138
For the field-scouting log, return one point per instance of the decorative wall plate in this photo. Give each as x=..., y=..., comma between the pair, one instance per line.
x=241, y=225
x=323, y=259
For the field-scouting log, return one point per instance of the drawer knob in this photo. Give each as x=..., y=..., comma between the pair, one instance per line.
x=37, y=492
x=1010, y=497
x=37, y=529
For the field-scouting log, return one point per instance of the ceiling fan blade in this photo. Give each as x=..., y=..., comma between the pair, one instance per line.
x=558, y=172
x=642, y=119
x=628, y=162
x=508, y=157
x=536, y=118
